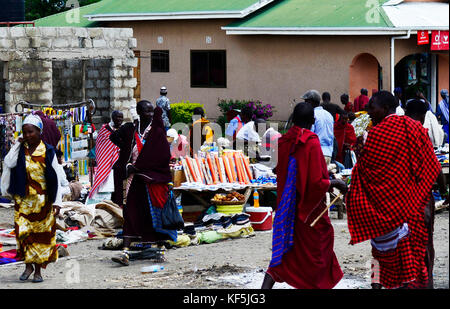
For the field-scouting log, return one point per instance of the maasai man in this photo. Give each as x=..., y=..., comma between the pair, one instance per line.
x=303, y=256
x=417, y=110
x=359, y=104
x=30, y=177
x=390, y=187
x=345, y=136
x=149, y=188
x=124, y=137
x=106, y=156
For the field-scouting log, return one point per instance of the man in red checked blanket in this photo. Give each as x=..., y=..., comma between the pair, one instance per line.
x=390, y=188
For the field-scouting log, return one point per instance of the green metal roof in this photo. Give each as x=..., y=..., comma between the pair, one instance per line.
x=167, y=6
x=316, y=14
x=60, y=20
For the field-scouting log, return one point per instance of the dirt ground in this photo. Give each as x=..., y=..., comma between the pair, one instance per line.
x=230, y=264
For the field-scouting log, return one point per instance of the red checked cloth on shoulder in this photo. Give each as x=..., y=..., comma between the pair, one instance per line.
x=390, y=185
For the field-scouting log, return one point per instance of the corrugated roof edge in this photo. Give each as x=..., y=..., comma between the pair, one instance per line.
x=179, y=15
x=54, y=16
x=325, y=31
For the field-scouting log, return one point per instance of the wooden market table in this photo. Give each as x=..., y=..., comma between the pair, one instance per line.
x=198, y=195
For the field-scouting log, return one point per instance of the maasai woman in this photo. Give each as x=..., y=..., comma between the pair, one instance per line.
x=30, y=178
x=148, y=190
x=303, y=256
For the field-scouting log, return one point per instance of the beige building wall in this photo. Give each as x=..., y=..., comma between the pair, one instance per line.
x=273, y=69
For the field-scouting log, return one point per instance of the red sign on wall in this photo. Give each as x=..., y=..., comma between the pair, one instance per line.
x=423, y=38
x=439, y=40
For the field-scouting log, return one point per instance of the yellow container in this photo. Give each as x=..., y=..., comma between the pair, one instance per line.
x=230, y=209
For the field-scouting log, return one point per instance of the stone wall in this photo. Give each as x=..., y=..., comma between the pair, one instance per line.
x=2, y=87
x=44, y=66
x=68, y=83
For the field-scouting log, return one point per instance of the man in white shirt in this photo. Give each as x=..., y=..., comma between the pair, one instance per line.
x=324, y=124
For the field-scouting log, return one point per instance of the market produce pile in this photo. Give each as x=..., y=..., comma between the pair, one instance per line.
x=230, y=197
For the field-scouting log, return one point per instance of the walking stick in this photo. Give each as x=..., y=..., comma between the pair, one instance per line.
x=326, y=209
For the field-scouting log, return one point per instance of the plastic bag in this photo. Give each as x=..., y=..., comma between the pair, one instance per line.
x=171, y=218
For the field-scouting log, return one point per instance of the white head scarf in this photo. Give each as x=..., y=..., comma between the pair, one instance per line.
x=172, y=133
x=34, y=120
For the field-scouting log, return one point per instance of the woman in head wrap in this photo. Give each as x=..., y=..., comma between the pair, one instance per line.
x=31, y=179
x=149, y=189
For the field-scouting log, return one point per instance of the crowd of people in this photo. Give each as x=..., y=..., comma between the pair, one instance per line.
x=386, y=141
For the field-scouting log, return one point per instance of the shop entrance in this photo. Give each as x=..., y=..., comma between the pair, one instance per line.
x=413, y=75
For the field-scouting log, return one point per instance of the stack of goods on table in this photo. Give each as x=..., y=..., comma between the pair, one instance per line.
x=442, y=155
x=211, y=171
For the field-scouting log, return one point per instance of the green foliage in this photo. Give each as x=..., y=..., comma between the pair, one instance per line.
x=259, y=109
x=35, y=9
x=182, y=111
x=227, y=105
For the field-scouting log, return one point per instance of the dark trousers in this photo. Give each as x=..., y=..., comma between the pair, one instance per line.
x=429, y=255
x=117, y=195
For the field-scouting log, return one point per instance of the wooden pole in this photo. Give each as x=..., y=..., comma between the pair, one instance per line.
x=326, y=209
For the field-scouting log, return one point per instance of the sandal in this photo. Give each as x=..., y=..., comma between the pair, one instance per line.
x=37, y=279
x=25, y=275
x=123, y=259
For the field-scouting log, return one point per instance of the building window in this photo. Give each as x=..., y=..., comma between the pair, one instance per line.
x=208, y=69
x=160, y=61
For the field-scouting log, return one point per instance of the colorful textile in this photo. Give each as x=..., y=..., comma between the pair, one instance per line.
x=10, y=254
x=283, y=225
x=311, y=262
x=7, y=261
x=34, y=221
x=391, y=183
x=156, y=213
x=106, y=155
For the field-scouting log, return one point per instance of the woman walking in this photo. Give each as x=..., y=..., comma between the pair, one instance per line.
x=148, y=188
x=30, y=178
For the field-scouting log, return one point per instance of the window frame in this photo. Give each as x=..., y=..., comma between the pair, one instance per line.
x=208, y=51
x=152, y=59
